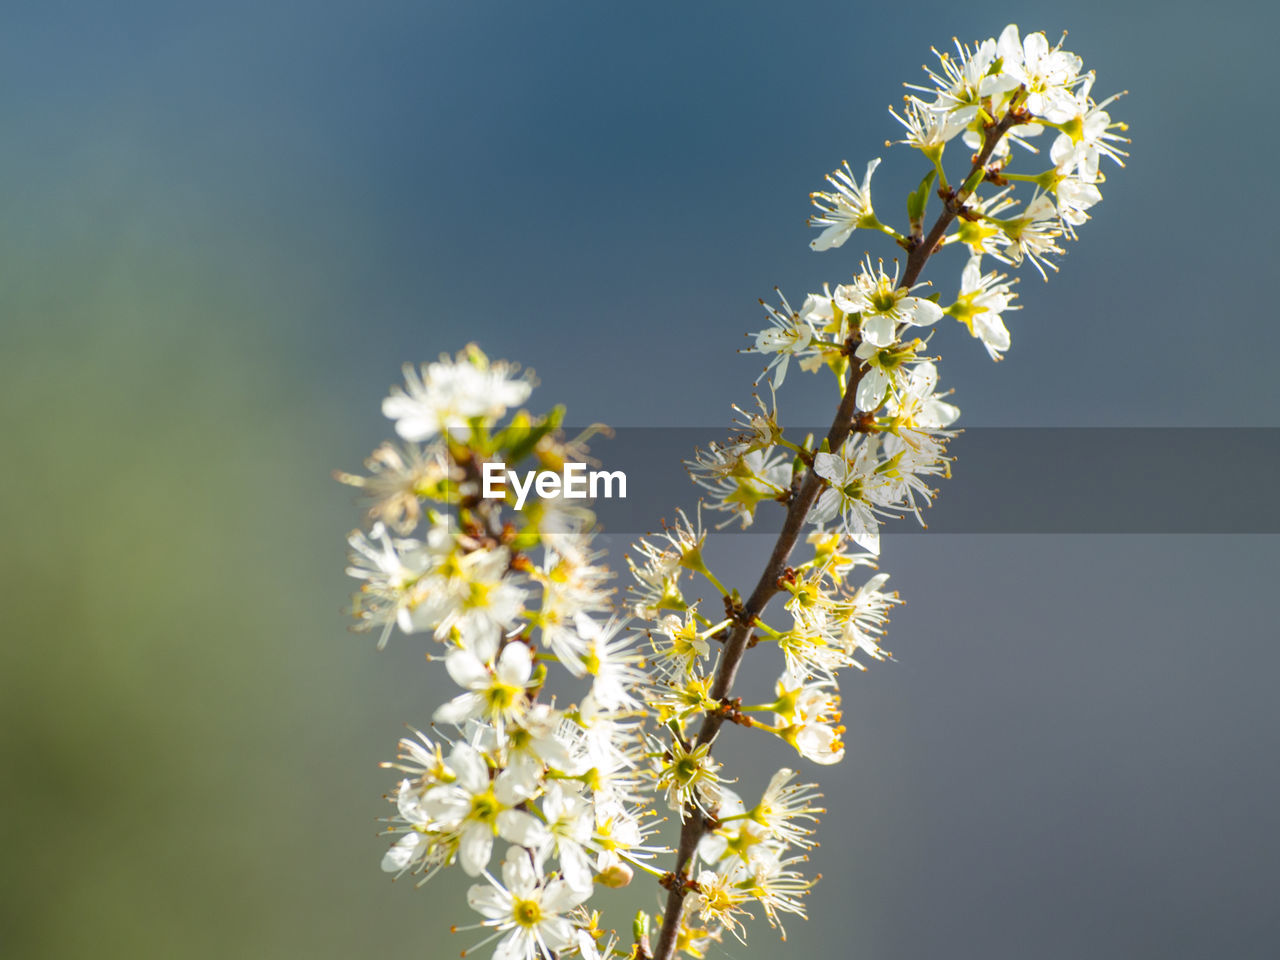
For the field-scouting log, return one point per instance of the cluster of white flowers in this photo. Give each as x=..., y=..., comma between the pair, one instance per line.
x=573, y=794
x=506, y=597
x=996, y=93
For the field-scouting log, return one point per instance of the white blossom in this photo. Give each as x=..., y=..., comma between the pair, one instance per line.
x=689, y=775
x=1087, y=133
x=963, y=81
x=451, y=393
x=475, y=594
x=845, y=208
x=929, y=128
x=983, y=299
x=788, y=335
x=494, y=692
x=391, y=572
x=850, y=493
x=398, y=475
x=883, y=305
x=808, y=718
x=1033, y=235
x=474, y=809
x=526, y=910
x=1048, y=73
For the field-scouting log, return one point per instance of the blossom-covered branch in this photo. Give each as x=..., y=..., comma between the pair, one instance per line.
x=513, y=593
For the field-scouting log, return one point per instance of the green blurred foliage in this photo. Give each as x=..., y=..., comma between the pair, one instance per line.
x=183, y=719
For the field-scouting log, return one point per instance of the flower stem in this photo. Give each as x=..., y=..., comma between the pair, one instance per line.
x=842, y=425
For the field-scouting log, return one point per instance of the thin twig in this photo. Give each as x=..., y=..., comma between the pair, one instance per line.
x=735, y=645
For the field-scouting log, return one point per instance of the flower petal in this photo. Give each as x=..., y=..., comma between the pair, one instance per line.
x=515, y=665
x=474, y=848
x=402, y=853
x=878, y=329
x=516, y=826
x=466, y=669
x=466, y=762
x=919, y=311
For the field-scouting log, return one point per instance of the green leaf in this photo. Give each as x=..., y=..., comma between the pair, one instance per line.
x=521, y=440
x=918, y=199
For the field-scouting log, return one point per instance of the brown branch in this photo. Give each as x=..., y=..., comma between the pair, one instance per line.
x=736, y=644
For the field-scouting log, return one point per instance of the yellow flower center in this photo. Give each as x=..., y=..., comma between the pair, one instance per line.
x=685, y=769
x=501, y=696
x=883, y=299
x=527, y=913
x=485, y=807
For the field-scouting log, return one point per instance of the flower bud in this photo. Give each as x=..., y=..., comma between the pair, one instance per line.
x=616, y=876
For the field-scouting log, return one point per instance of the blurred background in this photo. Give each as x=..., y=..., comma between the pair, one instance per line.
x=225, y=227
